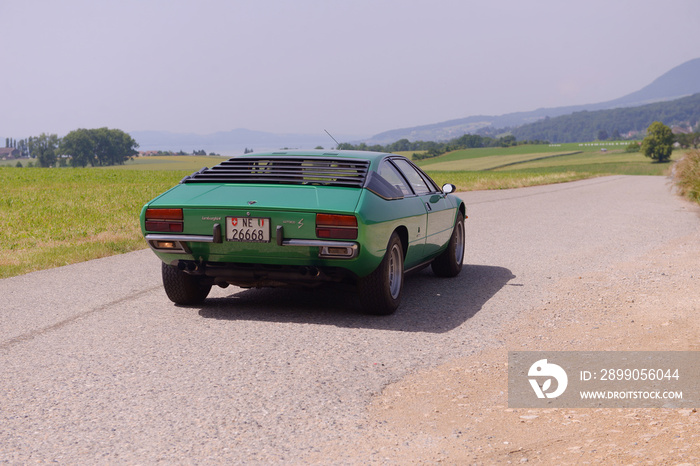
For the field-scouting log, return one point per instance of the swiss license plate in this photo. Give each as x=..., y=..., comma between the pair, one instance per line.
x=248, y=229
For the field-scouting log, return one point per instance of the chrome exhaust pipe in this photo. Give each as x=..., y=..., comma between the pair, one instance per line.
x=189, y=266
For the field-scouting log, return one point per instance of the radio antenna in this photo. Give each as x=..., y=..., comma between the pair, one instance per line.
x=329, y=134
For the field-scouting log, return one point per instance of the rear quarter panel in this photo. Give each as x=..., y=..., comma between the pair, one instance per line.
x=382, y=217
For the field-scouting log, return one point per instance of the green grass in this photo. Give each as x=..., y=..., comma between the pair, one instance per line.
x=528, y=165
x=596, y=162
x=534, y=150
x=473, y=181
x=489, y=162
x=54, y=217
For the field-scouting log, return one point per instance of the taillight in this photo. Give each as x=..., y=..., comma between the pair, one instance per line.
x=168, y=220
x=336, y=226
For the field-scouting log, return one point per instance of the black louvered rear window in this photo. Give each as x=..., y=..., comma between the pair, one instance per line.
x=286, y=170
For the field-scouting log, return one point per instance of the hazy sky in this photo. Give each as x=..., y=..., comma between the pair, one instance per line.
x=300, y=66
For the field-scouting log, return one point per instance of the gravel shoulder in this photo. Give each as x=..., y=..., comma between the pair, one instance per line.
x=457, y=412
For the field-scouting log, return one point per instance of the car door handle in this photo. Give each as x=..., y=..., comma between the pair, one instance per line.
x=427, y=204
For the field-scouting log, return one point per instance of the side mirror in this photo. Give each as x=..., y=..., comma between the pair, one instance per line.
x=449, y=188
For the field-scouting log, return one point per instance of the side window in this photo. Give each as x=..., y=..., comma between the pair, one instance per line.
x=389, y=173
x=431, y=184
x=418, y=183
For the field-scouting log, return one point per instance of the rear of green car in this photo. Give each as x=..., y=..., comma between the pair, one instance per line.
x=297, y=225
x=283, y=212
x=299, y=219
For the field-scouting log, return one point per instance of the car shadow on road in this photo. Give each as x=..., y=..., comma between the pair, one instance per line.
x=429, y=303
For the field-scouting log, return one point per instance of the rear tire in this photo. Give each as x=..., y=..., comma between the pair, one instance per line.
x=449, y=263
x=380, y=291
x=183, y=288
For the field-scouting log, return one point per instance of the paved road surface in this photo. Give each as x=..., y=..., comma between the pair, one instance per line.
x=97, y=366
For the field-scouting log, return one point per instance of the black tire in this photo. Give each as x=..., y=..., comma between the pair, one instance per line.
x=449, y=263
x=380, y=291
x=183, y=288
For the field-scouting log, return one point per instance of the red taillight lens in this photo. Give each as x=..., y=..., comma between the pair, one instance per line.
x=164, y=214
x=168, y=220
x=336, y=226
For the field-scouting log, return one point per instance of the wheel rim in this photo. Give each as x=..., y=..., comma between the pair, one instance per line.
x=459, y=247
x=395, y=271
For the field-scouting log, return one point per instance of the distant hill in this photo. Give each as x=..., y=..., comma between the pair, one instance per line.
x=681, y=81
x=614, y=123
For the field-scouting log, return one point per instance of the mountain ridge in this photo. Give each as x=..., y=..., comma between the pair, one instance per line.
x=626, y=122
x=681, y=81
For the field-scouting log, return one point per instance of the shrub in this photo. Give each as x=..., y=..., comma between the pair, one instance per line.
x=686, y=175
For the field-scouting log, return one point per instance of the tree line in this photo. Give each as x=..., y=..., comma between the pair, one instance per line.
x=81, y=147
x=182, y=152
x=430, y=149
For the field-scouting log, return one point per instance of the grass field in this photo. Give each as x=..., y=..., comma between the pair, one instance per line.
x=489, y=162
x=473, y=181
x=54, y=217
x=534, y=150
x=542, y=164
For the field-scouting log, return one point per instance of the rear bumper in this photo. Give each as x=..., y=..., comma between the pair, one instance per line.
x=177, y=244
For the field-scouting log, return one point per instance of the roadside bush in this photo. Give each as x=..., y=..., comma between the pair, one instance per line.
x=686, y=174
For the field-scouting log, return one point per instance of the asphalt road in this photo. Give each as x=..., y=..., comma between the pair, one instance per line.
x=97, y=366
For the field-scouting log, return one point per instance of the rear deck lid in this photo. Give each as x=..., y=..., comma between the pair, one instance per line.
x=259, y=196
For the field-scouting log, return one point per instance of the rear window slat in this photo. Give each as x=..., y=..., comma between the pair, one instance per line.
x=286, y=170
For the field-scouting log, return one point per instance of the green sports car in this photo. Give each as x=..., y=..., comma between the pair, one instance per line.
x=305, y=218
